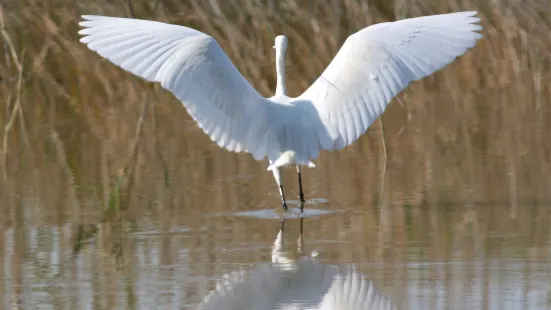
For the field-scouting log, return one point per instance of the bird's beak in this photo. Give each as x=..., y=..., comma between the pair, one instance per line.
x=273, y=46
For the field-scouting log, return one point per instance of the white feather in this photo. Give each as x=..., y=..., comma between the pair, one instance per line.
x=372, y=66
x=192, y=66
x=379, y=61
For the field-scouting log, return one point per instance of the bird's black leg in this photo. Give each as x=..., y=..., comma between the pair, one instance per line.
x=277, y=176
x=301, y=193
x=283, y=198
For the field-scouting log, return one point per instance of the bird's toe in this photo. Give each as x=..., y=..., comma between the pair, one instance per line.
x=284, y=206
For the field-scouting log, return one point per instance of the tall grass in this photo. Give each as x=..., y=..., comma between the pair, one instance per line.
x=480, y=126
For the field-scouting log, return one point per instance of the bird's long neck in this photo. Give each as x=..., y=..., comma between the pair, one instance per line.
x=280, y=71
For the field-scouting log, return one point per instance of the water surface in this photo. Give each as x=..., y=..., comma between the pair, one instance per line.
x=460, y=255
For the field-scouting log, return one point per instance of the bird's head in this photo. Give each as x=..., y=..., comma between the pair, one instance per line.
x=280, y=43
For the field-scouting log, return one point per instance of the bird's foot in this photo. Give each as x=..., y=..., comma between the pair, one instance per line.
x=285, y=207
x=301, y=197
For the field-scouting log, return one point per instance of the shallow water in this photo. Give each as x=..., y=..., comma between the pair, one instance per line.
x=454, y=256
x=430, y=229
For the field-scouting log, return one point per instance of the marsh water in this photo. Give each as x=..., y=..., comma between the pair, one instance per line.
x=431, y=229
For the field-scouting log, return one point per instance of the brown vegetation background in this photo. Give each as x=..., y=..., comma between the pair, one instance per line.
x=84, y=142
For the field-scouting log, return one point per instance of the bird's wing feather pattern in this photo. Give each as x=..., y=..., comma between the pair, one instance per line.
x=192, y=66
x=376, y=63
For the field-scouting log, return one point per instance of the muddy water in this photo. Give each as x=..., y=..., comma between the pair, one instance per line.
x=429, y=233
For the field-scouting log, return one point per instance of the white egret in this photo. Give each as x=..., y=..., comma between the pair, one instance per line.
x=292, y=281
x=371, y=67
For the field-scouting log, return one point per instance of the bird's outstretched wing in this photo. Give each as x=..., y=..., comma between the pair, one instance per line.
x=376, y=63
x=192, y=66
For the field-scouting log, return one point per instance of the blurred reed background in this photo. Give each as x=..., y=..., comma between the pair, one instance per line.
x=88, y=144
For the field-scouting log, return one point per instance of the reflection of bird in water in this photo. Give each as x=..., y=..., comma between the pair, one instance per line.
x=295, y=282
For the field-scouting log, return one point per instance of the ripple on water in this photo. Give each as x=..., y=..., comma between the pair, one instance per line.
x=292, y=212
